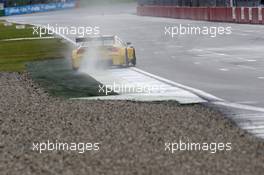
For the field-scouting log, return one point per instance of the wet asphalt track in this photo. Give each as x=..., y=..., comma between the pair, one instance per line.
x=229, y=67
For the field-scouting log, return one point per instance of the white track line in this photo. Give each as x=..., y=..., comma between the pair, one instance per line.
x=224, y=69
x=193, y=90
x=240, y=106
x=31, y=38
x=135, y=86
x=43, y=26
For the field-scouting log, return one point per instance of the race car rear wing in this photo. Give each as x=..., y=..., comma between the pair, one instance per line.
x=97, y=38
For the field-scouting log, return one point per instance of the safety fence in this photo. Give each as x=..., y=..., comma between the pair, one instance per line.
x=33, y=8
x=249, y=15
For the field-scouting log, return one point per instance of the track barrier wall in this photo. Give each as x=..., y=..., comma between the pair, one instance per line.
x=246, y=15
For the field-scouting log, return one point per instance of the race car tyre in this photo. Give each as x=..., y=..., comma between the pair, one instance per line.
x=127, y=60
x=134, y=60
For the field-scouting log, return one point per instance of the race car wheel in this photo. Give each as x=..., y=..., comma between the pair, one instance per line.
x=127, y=60
x=134, y=60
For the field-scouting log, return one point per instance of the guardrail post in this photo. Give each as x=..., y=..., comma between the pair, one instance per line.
x=260, y=15
x=234, y=13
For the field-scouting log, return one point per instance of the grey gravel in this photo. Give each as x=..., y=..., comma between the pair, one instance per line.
x=131, y=135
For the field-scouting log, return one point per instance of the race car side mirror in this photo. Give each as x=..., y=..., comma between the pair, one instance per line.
x=128, y=43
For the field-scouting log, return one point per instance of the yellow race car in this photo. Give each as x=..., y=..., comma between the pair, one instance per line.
x=110, y=49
